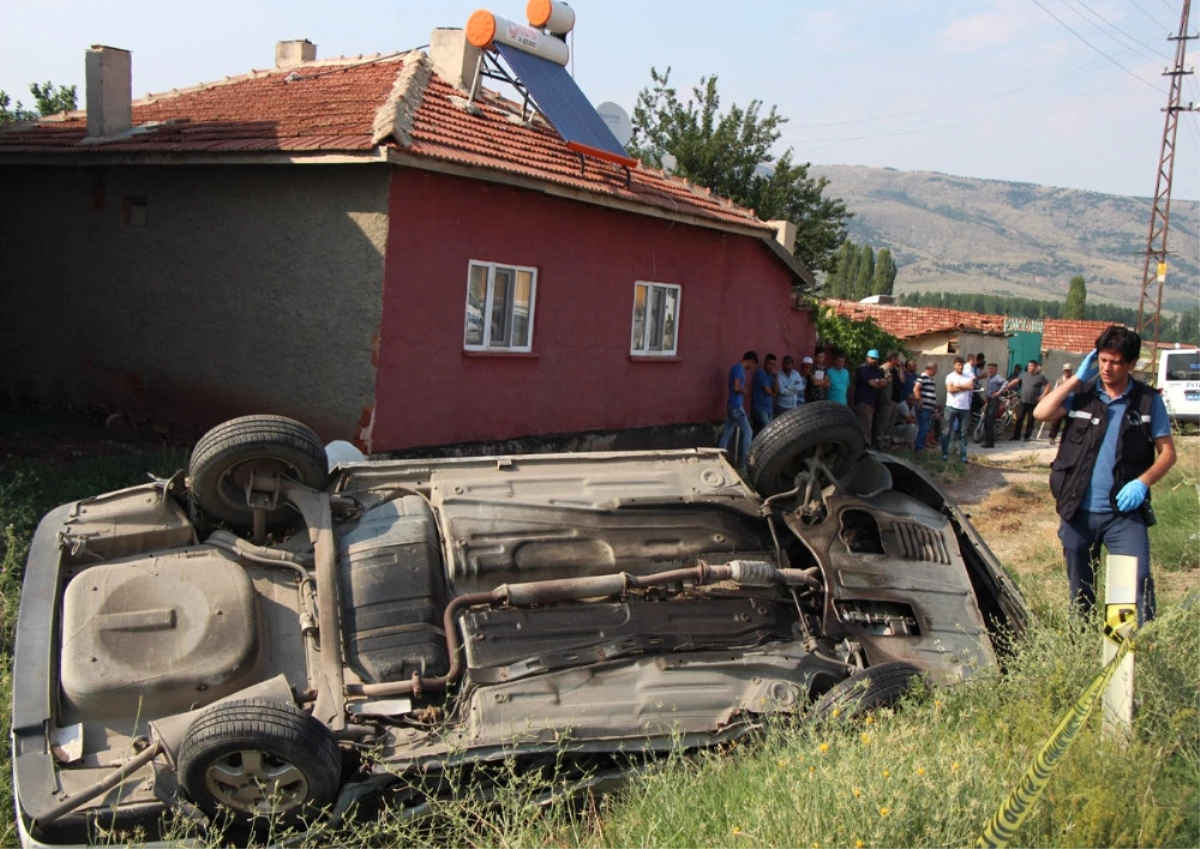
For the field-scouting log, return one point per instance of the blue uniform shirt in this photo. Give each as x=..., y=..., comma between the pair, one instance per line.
x=735, y=398
x=1097, y=498
x=759, y=399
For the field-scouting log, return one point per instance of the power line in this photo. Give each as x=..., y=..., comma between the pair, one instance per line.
x=1067, y=26
x=948, y=106
x=1135, y=5
x=1127, y=36
x=908, y=132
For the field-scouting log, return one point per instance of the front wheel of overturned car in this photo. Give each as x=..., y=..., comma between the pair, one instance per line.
x=824, y=430
x=259, y=758
x=864, y=691
x=252, y=452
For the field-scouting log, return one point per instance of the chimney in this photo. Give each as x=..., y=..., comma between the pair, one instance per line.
x=109, y=90
x=785, y=234
x=291, y=53
x=454, y=60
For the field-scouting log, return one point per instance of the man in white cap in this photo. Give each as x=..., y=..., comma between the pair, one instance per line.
x=791, y=387
x=1067, y=373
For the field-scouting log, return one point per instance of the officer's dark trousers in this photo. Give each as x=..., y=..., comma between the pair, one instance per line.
x=1119, y=533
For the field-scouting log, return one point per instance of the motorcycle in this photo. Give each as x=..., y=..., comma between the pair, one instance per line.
x=1006, y=413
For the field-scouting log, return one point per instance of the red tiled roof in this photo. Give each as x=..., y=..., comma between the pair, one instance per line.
x=354, y=105
x=1058, y=334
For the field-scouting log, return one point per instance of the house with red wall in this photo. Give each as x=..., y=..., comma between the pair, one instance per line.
x=361, y=244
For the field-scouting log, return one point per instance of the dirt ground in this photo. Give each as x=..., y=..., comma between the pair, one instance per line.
x=1007, y=495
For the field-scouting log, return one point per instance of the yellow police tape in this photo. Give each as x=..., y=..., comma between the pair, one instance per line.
x=1002, y=829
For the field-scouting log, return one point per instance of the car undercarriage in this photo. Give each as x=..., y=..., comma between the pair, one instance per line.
x=267, y=636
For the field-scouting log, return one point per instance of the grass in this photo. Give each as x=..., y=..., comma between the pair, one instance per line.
x=930, y=773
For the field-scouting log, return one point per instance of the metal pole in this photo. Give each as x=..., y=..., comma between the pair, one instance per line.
x=1160, y=214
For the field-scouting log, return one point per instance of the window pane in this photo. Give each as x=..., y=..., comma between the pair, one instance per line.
x=501, y=308
x=639, y=318
x=672, y=302
x=522, y=302
x=657, y=304
x=476, y=293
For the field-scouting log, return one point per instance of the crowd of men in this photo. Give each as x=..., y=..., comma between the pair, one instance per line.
x=895, y=406
x=1116, y=433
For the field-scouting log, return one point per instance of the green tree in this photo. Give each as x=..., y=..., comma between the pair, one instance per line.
x=1076, y=306
x=1188, y=329
x=835, y=284
x=854, y=337
x=730, y=153
x=51, y=99
x=48, y=98
x=885, y=273
x=865, y=273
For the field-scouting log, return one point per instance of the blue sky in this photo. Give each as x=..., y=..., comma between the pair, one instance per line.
x=980, y=88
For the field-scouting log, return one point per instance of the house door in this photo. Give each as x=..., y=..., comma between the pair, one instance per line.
x=1023, y=347
x=1024, y=341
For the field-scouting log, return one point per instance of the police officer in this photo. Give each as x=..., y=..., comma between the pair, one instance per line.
x=1116, y=444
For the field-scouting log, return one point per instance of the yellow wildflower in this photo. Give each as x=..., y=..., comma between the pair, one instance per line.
x=954, y=767
x=920, y=770
x=937, y=702
x=857, y=793
x=780, y=764
x=737, y=829
x=824, y=747
x=887, y=773
x=858, y=844
x=870, y=719
x=836, y=713
x=866, y=738
x=883, y=812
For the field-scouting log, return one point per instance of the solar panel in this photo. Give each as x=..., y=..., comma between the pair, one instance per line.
x=565, y=106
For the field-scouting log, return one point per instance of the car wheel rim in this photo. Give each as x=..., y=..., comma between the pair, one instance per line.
x=256, y=782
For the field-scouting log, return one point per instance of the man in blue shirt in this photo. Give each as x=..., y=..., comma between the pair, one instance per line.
x=1116, y=445
x=762, y=396
x=735, y=408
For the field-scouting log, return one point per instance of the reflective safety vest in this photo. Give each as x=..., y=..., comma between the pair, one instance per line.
x=1086, y=423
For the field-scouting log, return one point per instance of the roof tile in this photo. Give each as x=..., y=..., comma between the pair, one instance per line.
x=908, y=322
x=340, y=106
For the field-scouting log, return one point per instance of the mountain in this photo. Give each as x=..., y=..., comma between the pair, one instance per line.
x=961, y=234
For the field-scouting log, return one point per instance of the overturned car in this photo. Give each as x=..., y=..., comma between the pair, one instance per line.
x=271, y=637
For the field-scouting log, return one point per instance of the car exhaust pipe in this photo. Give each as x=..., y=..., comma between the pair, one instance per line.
x=744, y=572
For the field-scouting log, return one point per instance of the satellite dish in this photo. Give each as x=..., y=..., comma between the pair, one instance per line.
x=669, y=162
x=617, y=120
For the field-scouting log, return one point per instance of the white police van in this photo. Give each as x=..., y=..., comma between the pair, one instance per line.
x=1179, y=382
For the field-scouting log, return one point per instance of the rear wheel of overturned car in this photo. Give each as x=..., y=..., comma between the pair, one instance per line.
x=259, y=758
x=824, y=430
x=252, y=452
x=864, y=691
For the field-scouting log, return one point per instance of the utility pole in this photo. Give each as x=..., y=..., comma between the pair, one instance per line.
x=1155, y=271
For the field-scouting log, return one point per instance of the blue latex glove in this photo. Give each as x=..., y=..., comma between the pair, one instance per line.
x=1132, y=495
x=1089, y=369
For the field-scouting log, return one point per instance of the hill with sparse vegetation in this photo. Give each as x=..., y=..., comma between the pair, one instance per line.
x=962, y=234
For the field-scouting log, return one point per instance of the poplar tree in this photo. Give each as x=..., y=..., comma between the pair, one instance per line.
x=1076, y=305
x=865, y=273
x=885, y=273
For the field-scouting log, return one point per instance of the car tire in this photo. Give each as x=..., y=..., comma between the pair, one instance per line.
x=259, y=758
x=781, y=449
x=865, y=691
x=264, y=445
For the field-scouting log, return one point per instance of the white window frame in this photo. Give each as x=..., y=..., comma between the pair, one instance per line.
x=645, y=349
x=489, y=299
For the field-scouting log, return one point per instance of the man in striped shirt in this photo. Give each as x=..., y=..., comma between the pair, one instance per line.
x=927, y=387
